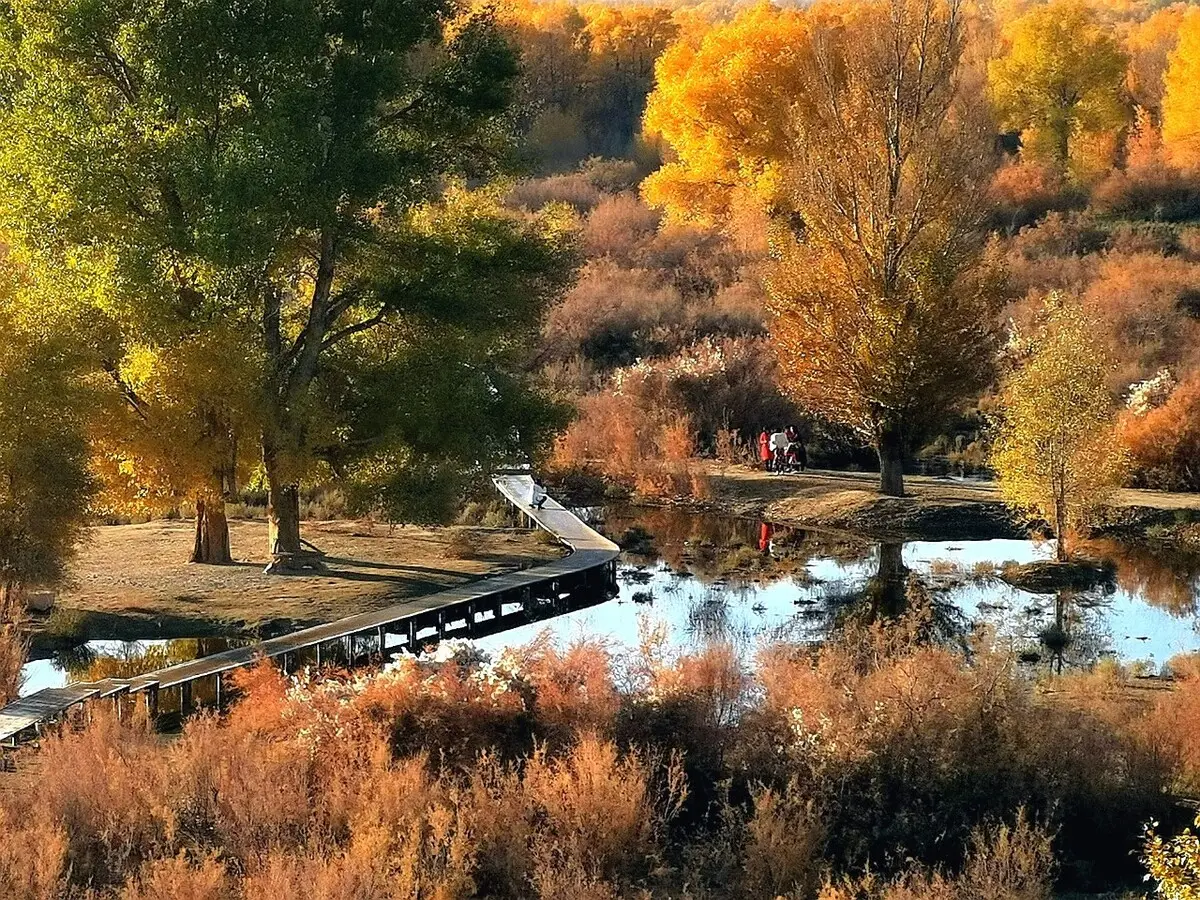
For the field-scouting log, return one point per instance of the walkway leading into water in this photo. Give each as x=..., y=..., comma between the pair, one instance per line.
x=485, y=606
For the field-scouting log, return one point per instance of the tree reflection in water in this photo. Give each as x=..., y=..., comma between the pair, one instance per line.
x=892, y=591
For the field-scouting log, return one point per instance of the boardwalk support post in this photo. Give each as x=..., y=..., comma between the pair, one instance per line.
x=152, y=702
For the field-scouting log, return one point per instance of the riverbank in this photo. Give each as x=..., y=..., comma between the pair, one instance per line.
x=935, y=508
x=134, y=581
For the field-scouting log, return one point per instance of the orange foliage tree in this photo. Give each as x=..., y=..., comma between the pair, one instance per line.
x=723, y=104
x=883, y=295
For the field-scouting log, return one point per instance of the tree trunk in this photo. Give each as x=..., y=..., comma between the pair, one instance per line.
x=887, y=589
x=283, y=518
x=890, y=446
x=1060, y=530
x=212, y=534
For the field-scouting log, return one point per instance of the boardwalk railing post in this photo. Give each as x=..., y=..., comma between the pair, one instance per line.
x=152, y=702
x=185, y=698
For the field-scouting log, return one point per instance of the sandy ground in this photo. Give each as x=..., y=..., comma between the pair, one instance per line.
x=130, y=577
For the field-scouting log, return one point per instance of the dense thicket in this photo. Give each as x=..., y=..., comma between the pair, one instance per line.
x=851, y=772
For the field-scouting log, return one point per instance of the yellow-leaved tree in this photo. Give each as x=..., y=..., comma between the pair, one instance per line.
x=1055, y=455
x=852, y=130
x=182, y=427
x=1149, y=44
x=723, y=103
x=1060, y=83
x=1181, y=97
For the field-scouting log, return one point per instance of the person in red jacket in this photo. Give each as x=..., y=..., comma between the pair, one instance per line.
x=764, y=450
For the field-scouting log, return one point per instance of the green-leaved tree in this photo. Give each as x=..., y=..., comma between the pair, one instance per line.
x=202, y=162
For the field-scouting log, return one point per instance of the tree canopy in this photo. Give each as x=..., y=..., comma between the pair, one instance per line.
x=1060, y=83
x=724, y=104
x=250, y=167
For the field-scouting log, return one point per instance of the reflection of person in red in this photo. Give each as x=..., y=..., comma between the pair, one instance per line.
x=764, y=538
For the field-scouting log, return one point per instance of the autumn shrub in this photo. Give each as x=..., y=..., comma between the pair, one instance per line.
x=574, y=189
x=179, y=878
x=1002, y=862
x=1025, y=191
x=633, y=439
x=102, y=790
x=33, y=857
x=549, y=772
x=1175, y=722
x=613, y=316
x=785, y=840
x=1164, y=442
x=1137, y=297
x=1149, y=185
x=922, y=747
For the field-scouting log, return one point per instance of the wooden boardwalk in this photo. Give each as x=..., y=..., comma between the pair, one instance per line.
x=485, y=606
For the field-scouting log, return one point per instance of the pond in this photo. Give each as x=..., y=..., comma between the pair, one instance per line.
x=703, y=578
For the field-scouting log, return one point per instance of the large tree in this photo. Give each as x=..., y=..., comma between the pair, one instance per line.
x=883, y=297
x=206, y=162
x=856, y=138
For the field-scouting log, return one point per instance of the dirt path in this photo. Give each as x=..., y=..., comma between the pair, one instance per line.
x=934, y=508
x=135, y=581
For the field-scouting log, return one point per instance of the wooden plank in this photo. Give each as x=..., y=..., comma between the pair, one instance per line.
x=589, y=550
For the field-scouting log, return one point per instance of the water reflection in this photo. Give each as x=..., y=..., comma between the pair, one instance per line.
x=710, y=578
x=99, y=659
x=707, y=579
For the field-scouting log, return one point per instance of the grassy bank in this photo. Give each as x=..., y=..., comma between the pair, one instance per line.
x=934, y=508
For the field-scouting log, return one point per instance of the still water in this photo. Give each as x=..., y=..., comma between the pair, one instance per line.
x=705, y=578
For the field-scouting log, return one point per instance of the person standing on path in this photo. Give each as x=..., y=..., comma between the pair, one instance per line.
x=764, y=450
x=779, y=444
